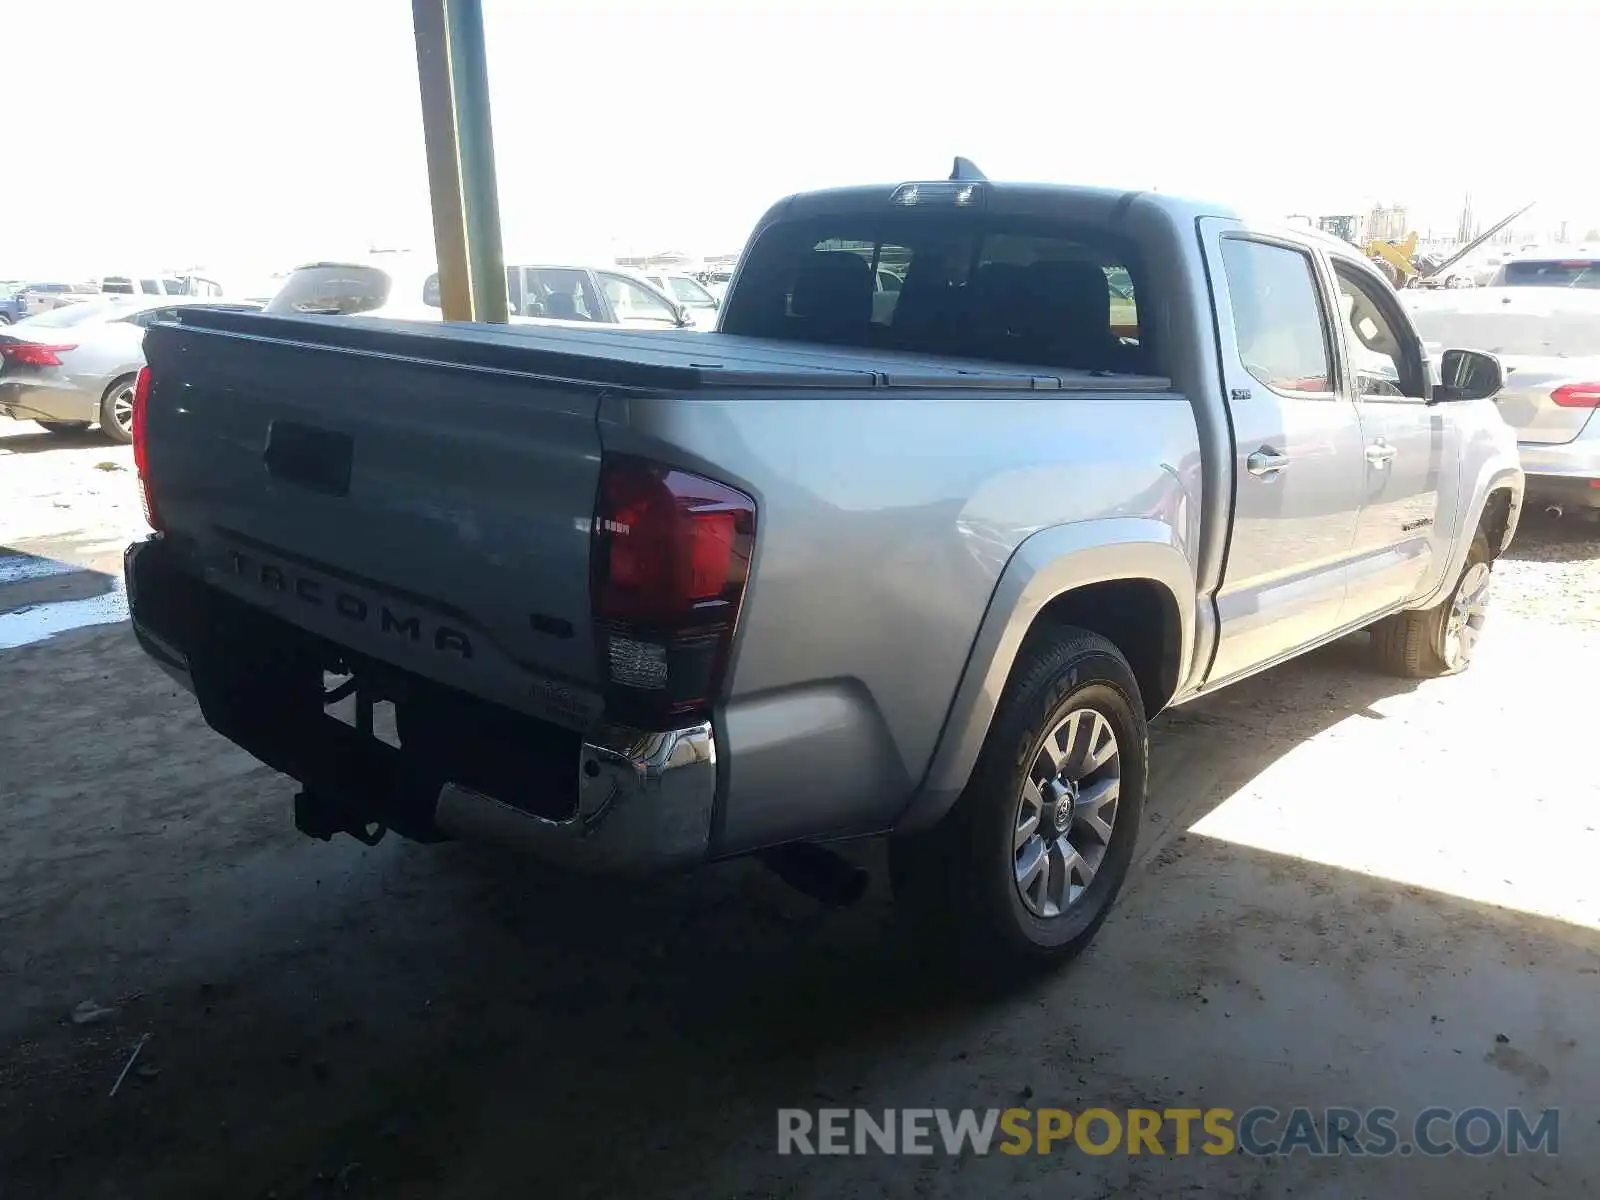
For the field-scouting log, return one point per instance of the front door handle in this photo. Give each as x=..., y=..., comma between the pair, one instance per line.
x=1380, y=453
x=1266, y=461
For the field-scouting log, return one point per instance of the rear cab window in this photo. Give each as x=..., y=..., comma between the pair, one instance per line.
x=970, y=285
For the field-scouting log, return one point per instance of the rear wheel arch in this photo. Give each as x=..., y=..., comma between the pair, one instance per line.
x=1139, y=616
x=1495, y=523
x=1126, y=580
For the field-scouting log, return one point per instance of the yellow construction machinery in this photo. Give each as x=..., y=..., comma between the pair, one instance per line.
x=1395, y=259
x=1398, y=259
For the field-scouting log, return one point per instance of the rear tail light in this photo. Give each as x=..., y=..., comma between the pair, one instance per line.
x=32, y=354
x=141, y=450
x=669, y=564
x=1577, y=395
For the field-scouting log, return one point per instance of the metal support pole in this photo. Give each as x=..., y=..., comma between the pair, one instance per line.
x=453, y=75
x=444, y=165
x=469, y=72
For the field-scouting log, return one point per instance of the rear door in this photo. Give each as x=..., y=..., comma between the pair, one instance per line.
x=1298, y=466
x=1410, y=450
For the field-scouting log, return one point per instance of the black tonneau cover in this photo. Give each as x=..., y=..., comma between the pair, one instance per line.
x=658, y=360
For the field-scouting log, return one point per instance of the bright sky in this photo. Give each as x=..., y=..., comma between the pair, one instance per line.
x=249, y=135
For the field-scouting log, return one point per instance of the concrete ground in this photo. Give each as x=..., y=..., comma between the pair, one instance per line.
x=1351, y=891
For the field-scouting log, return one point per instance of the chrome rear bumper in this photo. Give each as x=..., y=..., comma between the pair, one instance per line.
x=644, y=804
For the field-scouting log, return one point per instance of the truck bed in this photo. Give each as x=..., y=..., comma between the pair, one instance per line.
x=667, y=360
x=424, y=493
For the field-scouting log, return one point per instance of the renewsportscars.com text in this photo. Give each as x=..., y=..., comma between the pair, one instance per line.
x=1260, y=1131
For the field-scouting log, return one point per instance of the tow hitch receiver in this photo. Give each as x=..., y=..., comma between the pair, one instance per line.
x=320, y=815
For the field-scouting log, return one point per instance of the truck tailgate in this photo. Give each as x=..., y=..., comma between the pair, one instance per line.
x=351, y=489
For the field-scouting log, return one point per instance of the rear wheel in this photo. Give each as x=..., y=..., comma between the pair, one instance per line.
x=116, y=410
x=62, y=427
x=1441, y=640
x=1024, y=869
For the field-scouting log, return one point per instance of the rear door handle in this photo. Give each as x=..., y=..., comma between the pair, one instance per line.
x=1380, y=453
x=1266, y=461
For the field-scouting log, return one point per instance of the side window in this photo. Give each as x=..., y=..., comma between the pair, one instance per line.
x=1382, y=364
x=1124, y=309
x=560, y=293
x=687, y=291
x=634, y=300
x=150, y=316
x=151, y=287
x=1277, y=317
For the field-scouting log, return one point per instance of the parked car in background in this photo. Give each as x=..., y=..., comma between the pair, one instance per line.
x=13, y=301
x=1548, y=337
x=42, y=297
x=410, y=291
x=689, y=294
x=159, y=285
x=634, y=301
x=716, y=280
x=1580, y=269
x=74, y=366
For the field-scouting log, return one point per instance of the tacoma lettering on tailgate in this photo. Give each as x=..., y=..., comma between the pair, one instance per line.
x=322, y=593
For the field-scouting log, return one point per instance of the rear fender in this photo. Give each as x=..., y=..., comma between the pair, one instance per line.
x=1047, y=565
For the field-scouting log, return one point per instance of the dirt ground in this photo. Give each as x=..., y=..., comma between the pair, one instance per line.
x=1350, y=891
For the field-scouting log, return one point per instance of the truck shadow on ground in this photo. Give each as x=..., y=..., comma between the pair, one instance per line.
x=449, y=1021
x=67, y=439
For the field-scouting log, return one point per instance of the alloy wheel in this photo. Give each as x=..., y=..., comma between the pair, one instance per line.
x=1468, y=610
x=1066, y=812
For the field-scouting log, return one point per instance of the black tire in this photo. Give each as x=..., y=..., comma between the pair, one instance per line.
x=114, y=429
x=959, y=883
x=60, y=428
x=1420, y=643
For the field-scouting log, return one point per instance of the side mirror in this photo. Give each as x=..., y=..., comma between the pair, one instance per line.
x=1468, y=375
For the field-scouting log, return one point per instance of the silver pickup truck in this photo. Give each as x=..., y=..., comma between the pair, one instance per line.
x=640, y=601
